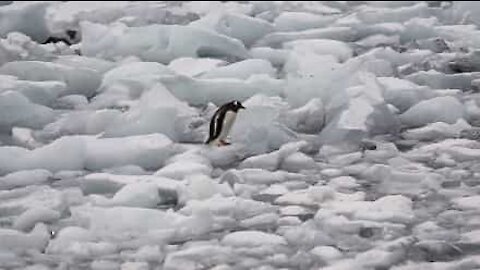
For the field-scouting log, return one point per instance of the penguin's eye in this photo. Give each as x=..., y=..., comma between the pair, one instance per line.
x=235, y=103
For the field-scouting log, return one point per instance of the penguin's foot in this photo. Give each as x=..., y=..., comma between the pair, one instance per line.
x=223, y=143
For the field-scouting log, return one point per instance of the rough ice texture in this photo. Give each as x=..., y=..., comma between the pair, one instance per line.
x=163, y=42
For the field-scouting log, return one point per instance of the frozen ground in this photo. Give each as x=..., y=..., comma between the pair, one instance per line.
x=359, y=148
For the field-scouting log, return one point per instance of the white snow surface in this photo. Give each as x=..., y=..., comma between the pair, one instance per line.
x=358, y=147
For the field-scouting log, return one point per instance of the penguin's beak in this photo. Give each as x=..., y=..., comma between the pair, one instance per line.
x=241, y=107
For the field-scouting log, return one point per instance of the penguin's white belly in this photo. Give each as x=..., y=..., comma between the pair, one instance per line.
x=227, y=124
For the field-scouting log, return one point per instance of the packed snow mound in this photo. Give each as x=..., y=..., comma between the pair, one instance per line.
x=160, y=43
x=78, y=80
x=245, y=28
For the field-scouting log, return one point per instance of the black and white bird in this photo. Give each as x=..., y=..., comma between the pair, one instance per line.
x=222, y=122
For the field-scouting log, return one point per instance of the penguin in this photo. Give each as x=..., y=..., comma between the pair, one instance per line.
x=222, y=121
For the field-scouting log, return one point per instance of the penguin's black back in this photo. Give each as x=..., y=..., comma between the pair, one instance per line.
x=216, y=124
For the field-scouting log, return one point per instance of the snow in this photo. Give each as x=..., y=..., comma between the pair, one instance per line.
x=357, y=149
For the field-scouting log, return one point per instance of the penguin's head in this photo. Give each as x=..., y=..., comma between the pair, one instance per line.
x=235, y=106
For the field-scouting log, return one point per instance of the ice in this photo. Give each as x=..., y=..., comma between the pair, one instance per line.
x=404, y=94
x=437, y=130
x=335, y=33
x=78, y=80
x=147, y=151
x=439, y=109
x=193, y=67
x=25, y=17
x=277, y=57
x=136, y=195
x=340, y=50
x=298, y=21
x=81, y=122
x=42, y=93
x=242, y=70
x=326, y=253
x=27, y=220
x=252, y=239
x=13, y=240
x=17, y=110
x=24, y=178
x=89, y=152
x=238, y=26
x=164, y=42
x=169, y=117
x=309, y=118
x=222, y=90
x=435, y=79
x=98, y=65
x=272, y=161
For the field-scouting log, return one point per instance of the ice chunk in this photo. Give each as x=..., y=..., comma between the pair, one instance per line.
x=157, y=111
x=467, y=203
x=78, y=80
x=147, y=151
x=309, y=118
x=258, y=176
x=201, y=187
x=18, y=201
x=438, y=80
x=27, y=220
x=242, y=27
x=403, y=94
x=242, y=70
x=438, y=130
x=340, y=50
x=43, y=93
x=277, y=57
x=17, y=110
x=137, y=195
x=439, y=109
x=222, y=90
x=71, y=102
x=99, y=65
x=25, y=17
x=161, y=43
x=326, y=253
x=252, y=239
x=46, y=157
x=272, y=161
x=180, y=170
x=191, y=256
x=81, y=122
x=340, y=33
x=18, y=241
x=297, y=162
x=193, y=67
x=298, y=21
x=24, y=178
